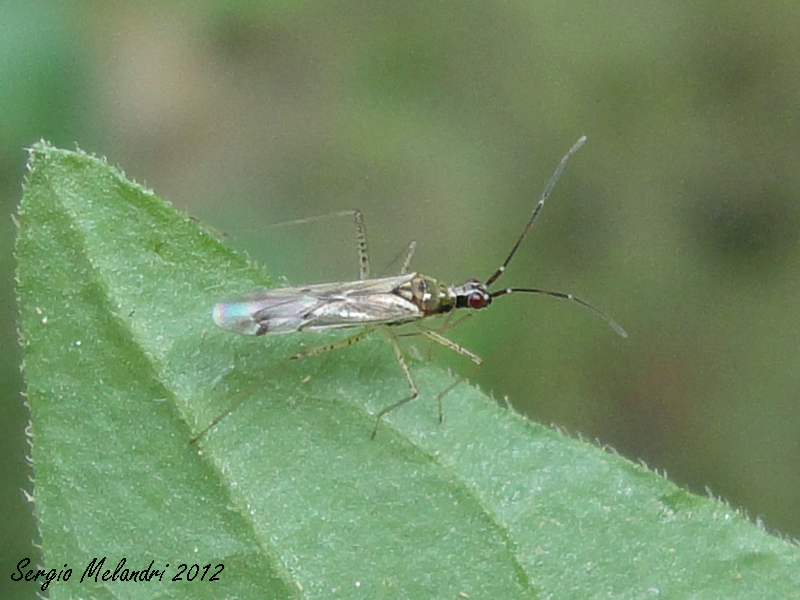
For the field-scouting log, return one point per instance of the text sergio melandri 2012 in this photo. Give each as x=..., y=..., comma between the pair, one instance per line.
x=95, y=571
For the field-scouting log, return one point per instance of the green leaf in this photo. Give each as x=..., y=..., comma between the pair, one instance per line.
x=124, y=365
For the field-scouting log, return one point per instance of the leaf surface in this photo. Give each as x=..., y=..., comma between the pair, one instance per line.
x=124, y=365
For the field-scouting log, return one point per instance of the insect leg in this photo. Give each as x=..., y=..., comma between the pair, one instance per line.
x=398, y=352
x=361, y=235
x=243, y=396
x=447, y=325
x=444, y=393
x=401, y=359
x=450, y=324
x=363, y=252
x=337, y=345
x=344, y=343
x=440, y=339
x=407, y=262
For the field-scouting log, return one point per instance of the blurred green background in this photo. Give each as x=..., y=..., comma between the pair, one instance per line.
x=442, y=121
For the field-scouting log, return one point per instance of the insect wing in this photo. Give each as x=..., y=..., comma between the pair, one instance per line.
x=317, y=307
x=264, y=312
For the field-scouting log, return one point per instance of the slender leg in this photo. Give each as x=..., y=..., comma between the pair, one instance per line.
x=243, y=395
x=444, y=393
x=349, y=341
x=450, y=324
x=361, y=235
x=447, y=325
x=401, y=360
x=337, y=345
x=316, y=351
x=407, y=262
x=440, y=339
x=398, y=352
x=363, y=252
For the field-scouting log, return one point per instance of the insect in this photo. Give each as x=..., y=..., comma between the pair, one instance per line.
x=383, y=303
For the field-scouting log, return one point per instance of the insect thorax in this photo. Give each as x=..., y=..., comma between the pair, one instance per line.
x=427, y=294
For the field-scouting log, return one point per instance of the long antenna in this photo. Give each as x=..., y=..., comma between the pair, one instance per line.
x=564, y=296
x=545, y=195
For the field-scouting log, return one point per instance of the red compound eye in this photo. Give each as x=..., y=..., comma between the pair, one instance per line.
x=477, y=300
